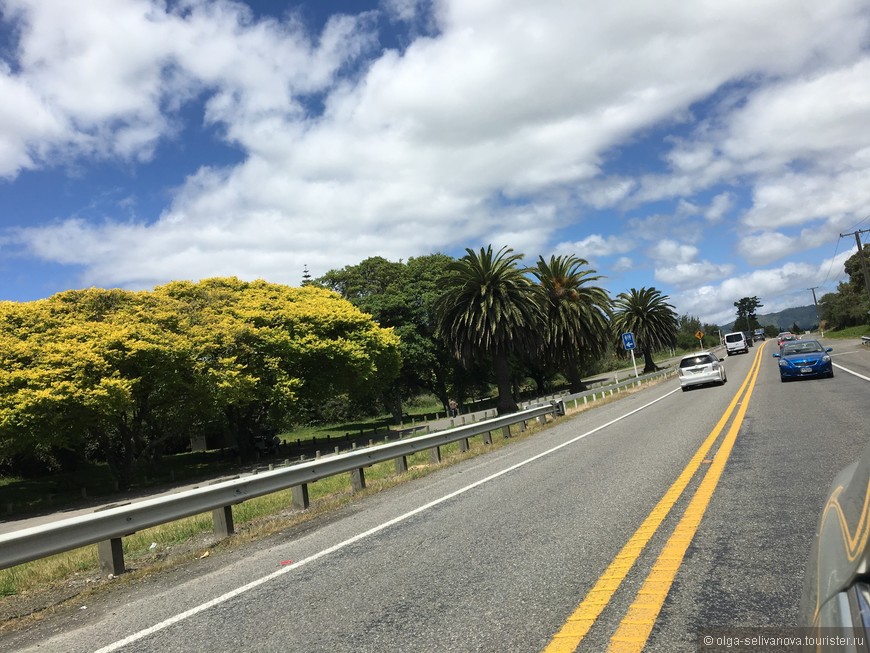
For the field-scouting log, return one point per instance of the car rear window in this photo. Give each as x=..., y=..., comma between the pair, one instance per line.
x=734, y=337
x=696, y=360
x=798, y=347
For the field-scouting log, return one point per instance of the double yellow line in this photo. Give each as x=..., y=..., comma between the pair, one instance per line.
x=634, y=630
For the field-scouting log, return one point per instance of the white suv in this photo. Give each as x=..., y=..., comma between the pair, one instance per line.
x=701, y=368
x=735, y=343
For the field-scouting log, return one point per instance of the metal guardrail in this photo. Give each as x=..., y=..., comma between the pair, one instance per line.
x=609, y=390
x=107, y=527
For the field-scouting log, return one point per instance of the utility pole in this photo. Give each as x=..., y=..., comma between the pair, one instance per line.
x=861, y=256
x=818, y=319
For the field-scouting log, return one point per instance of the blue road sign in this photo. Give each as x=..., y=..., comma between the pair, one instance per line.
x=628, y=341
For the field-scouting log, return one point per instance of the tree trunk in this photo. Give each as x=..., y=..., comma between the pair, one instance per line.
x=501, y=370
x=648, y=364
x=392, y=401
x=574, y=378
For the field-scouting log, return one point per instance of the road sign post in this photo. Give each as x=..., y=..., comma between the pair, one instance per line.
x=629, y=344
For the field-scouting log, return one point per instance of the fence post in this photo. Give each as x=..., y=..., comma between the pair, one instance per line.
x=111, y=555
x=358, y=479
x=300, y=496
x=223, y=521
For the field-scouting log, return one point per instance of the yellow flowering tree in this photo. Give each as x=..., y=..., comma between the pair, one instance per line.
x=117, y=375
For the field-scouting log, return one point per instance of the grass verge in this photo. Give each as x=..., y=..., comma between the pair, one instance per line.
x=849, y=332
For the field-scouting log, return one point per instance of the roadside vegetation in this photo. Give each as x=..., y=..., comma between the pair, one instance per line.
x=848, y=332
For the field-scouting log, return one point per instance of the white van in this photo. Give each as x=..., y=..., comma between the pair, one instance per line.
x=735, y=343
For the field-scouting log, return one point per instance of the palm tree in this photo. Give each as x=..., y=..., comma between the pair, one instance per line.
x=578, y=315
x=489, y=310
x=647, y=314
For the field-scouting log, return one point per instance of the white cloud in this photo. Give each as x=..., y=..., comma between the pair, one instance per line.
x=402, y=10
x=692, y=274
x=676, y=264
x=113, y=74
x=777, y=288
x=794, y=199
x=606, y=193
x=767, y=246
x=596, y=246
x=719, y=206
x=671, y=250
x=821, y=118
x=623, y=264
x=510, y=105
x=803, y=145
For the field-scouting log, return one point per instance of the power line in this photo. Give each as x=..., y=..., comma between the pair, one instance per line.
x=831, y=266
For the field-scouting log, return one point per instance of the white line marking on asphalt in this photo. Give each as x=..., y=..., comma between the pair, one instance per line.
x=846, y=369
x=356, y=538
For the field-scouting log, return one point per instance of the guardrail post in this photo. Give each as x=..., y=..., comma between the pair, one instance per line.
x=506, y=431
x=435, y=455
x=300, y=496
x=487, y=438
x=358, y=479
x=463, y=445
x=223, y=521
x=111, y=554
x=401, y=464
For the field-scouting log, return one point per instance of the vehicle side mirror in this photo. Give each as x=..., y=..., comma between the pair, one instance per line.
x=829, y=349
x=776, y=355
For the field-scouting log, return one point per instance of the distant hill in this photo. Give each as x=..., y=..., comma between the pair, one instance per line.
x=803, y=316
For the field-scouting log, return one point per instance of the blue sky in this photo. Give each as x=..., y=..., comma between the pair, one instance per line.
x=712, y=150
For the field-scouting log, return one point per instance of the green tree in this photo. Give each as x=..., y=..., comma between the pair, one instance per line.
x=490, y=310
x=746, y=319
x=843, y=308
x=577, y=314
x=689, y=325
x=849, y=305
x=401, y=296
x=647, y=314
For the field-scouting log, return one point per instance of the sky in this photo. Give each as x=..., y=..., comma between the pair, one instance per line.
x=713, y=150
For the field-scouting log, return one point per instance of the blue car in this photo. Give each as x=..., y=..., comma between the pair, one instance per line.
x=800, y=358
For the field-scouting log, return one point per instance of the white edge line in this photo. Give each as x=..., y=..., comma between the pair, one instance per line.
x=356, y=538
x=846, y=369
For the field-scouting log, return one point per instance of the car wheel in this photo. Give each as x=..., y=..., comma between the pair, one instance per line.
x=724, y=378
x=783, y=379
x=685, y=388
x=831, y=374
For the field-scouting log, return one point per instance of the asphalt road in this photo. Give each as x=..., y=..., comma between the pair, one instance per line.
x=497, y=553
